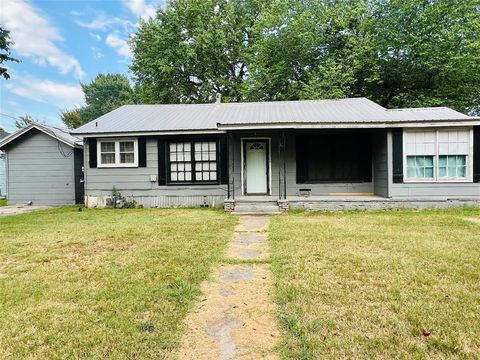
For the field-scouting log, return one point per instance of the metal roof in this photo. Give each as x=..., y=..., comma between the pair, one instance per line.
x=60, y=134
x=212, y=117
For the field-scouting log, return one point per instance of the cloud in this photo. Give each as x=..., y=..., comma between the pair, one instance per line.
x=36, y=38
x=104, y=23
x=140, y=9
x=95, y=36
x=97, y=53
x=46, y=91
x=119, y=45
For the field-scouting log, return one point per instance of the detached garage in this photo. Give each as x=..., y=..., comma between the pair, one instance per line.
x=44, y=165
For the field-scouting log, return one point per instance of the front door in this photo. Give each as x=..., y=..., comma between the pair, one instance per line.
x=256, y=167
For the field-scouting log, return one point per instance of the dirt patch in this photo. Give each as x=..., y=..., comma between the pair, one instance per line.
x=236, y=317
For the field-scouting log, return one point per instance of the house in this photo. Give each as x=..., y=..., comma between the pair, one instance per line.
x=3, y=175
x=322, y=154
x=44, y=166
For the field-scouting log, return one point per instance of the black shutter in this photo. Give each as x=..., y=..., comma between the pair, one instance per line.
x=142, y=151
x=162, y=175
x=92, y=152
x=397, y=152
x=476, y=154
x=301, y=159
x=223, y=152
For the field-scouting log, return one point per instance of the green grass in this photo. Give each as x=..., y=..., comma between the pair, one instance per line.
x=3, y=202
x=383, y=285
x=103, y=283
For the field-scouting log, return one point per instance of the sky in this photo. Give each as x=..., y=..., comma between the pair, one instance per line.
x=61, y=43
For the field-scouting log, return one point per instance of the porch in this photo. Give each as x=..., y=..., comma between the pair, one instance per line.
x=271, y=171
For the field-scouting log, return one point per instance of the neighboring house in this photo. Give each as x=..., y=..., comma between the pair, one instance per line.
x=314, y=154
x=3, y=170
x=44, y=166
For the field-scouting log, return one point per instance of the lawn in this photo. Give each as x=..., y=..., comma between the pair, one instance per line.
x=365, y=285
x=103, y=283
x=3, y=202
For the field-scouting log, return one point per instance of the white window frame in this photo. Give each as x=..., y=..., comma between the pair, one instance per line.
x=436, y=156
x=117, y=163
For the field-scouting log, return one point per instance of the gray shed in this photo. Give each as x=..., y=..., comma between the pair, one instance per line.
x=3, y=173
x=43, y=165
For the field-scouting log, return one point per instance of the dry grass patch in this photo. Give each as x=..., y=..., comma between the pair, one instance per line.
x=386, y=285
x=103, y=283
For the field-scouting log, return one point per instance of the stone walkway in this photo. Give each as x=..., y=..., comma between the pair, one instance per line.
x=20, y=209
x=235, y=318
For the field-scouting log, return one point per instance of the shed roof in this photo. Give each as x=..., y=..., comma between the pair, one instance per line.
x=60, y=134
x=212, y=117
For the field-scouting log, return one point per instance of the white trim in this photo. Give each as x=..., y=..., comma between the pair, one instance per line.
x=9, y=138
x=269, y=140
x=117, y=163
x=437, y=179
x=149, y=133
x=352, y=125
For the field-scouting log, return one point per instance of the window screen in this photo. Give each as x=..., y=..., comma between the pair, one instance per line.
x=334, y=158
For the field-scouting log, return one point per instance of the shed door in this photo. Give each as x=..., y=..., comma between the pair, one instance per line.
x=256, y=167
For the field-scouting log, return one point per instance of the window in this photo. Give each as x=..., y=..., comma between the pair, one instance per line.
x=191, y=162
x=206, y=161
x=438, y=155
x=117, y=153
x=180, y=162
x=334, y=158
x=453, y=166
x=420, y=167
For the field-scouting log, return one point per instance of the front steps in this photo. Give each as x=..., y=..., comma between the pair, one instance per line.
x=255, y=207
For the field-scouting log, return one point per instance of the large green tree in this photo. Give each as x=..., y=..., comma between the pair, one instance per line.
x=195, y=49
x=400, y=53
x=5, y=52
x=103, y=94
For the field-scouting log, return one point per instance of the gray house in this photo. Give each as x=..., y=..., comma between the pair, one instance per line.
x=43, y=165
x=348, y=153
x=3, y=169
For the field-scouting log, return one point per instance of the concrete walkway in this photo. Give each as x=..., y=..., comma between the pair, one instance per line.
x=235, y=318
x=20, y=209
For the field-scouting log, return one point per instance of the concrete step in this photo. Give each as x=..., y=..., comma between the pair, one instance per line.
x=256, y=208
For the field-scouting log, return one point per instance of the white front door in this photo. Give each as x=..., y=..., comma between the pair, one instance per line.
x=256, y=168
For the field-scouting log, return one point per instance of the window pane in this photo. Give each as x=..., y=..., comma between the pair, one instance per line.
x=451, y=160
x=442, y=161
x=173, y=167
x=206, y=175
x=442, y=172
x=173, y=156
x=188, y=176
x=108, y=158
x=173, y=147
x=462, y=171
x=186, y=147
x=204, y=147
x=107, y=146
x=127, y=158
x=419, y=161
x=452, y=171
x=198, y=147
x=213, y=176
x=187, y=156
x=428, y=160
x=174, y=176
x=181, y=176
x=213, y=166
x=188, y=166
x=213, y=155
x=411, y=172
x=181, y=166
x=461, y=160
x=198, y=176
x=198, y=166
x=411, y=161
x=429, y=172
x=126, y=146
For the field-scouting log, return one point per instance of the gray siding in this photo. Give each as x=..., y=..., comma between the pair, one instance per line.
x=437, y=191
x=40, y=169
x=3, y=174
x=380, y=163
x=135, y=183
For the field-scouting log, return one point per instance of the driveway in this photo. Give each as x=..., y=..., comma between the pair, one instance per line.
x=20, y=209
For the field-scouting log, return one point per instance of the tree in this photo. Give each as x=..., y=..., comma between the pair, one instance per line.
x=195, y=49
x=5, y=52
x=24, y=121
x=103, y=94
x=399, y=53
